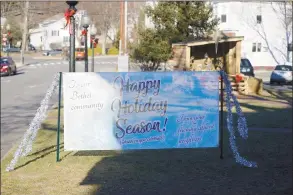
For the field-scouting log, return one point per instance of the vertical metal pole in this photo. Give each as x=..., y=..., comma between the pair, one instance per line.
x=8, y=47
x=86, y=62
x=58, y=125
x=93, y=57
x=70, y=46
x=72, y=43
x=222, y=120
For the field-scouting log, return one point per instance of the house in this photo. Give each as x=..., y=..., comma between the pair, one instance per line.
x=262, y=26
x=2, y=22
x=51, y=33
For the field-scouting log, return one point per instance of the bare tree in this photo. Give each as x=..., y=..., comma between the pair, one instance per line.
x=105, y=16
x=283, y=12
x=25, y=30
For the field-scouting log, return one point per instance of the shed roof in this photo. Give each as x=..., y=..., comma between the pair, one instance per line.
x=206, y=42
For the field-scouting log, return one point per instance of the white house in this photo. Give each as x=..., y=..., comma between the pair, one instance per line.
x=52, y=31
x=261, y=24
x=2, y=22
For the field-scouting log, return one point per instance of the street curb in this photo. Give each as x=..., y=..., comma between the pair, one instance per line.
x=47, y=58
x=60, y=58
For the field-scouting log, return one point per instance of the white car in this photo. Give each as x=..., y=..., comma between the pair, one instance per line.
x=282, y=74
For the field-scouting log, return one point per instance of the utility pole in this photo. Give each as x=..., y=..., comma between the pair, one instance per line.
x=125, y=27
x=122, y=36
x=25, y=31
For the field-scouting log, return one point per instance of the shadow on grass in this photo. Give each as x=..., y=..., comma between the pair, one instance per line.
x=52, y=127
x=45, y=149
x=200, y=171
x=197, y=171
x=37, y=158
x=281, y=95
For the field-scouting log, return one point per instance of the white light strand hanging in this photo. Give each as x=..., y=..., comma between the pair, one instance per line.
x=241, y=123
x=26, y=144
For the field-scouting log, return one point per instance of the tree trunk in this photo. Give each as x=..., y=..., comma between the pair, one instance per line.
x=25, y=31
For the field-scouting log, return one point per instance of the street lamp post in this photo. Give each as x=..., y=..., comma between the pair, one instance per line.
x=72, y=5
x=85, y=24
x=8, y=41
x=93, y=33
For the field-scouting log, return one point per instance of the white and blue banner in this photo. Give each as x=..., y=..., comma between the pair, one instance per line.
x=141, y=110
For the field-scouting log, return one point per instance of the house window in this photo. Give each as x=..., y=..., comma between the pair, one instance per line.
x=256, y=47
x=253, y=47
x=223, y=18
x=66, y=39
x=258, y=19
x=55, y=33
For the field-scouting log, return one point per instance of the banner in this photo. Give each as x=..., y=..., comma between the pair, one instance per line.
x=141, y=110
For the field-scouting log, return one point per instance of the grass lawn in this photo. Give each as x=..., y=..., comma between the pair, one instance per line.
x=182, y=171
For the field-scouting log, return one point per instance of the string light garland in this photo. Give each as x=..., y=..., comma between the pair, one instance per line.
x=26, y=144
x=241, y=123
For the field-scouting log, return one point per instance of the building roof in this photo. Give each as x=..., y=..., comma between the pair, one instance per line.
x=53, y=18
x=35, y=30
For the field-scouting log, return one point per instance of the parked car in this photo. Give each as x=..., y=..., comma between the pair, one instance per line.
x=79, y=53
x=246, y=68
x=282, y=74
x=52, y=52
x=11, y=49
x=31, y=48
x=8, y=66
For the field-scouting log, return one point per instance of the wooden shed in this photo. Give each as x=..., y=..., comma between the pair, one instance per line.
x=195, y=55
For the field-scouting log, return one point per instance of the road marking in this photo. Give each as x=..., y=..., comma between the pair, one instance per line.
x=32, y=86
x=38, y=64
x=45, y=64
x=59, y=63
x=6, y=81
x=52, y=63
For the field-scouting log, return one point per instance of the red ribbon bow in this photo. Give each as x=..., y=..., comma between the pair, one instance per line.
x=68, y=13
x=83, y=32
x=238, y=78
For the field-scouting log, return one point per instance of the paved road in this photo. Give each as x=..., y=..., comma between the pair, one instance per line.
x=265, y=76
x=21, y=94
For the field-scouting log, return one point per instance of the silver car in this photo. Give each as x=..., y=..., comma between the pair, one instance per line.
x=282, y=74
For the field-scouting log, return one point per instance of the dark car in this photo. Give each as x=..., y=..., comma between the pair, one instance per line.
x=8, y=66
x=246, y=67
x=31, y=48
